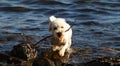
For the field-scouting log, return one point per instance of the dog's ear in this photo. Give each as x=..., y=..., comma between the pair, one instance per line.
x=52, y=18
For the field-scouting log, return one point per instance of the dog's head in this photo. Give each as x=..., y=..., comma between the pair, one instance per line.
x=58, y=26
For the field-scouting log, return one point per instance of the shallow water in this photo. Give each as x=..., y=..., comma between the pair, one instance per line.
x=97, y=22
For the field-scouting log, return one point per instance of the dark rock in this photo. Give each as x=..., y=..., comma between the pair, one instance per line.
x=3, y=57
x=25, y=54
x=24, y=51
x=74, y=64
x=26, y=63
x=12, y=60
x=94, y=63
x=2, y=64
x=43, y=62
x=50, y=58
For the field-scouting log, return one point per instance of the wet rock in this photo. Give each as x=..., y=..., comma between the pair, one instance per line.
x=25, y=54
x=2, y=64
x=43, y=62
x=12, y=61
x=3, y=57
x=106, y=61
x=50, y=58
x=80, y=64
x=94, y=63
x=26, y=51
x=26, y=63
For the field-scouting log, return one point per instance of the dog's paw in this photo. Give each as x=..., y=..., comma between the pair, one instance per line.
x=54, y=48
x=61, y=52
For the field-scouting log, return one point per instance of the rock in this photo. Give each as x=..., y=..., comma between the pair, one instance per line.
x=3, y=57
x=26, y=63
x=43, y=62
x=2, y=64
x=98, y=63
x=26, y=51
x=25, y=54
x=106, y=61
x=50, y=58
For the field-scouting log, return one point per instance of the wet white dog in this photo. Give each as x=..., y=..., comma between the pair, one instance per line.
x=61, y=34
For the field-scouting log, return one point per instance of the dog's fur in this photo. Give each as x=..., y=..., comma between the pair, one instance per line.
x=61, y=39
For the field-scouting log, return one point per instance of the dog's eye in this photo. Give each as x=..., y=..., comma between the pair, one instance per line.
x=62, y=27
x=55, y=28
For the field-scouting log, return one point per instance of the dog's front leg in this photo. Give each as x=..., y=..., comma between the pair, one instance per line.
x=63, y=49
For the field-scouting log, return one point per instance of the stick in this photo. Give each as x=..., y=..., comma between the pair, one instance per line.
x=43, y=39
x=69, y=28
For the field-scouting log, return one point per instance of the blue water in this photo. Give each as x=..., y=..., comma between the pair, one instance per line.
x=97, y=22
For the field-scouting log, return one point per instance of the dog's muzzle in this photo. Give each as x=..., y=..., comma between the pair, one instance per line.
x=59, y=34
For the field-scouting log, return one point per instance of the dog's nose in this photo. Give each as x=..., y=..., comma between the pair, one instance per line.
x=59, y=34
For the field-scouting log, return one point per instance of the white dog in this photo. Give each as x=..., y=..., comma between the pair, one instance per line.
x=61, y=34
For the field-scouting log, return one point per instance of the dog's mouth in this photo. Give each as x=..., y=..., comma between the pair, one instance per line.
x=59, y=35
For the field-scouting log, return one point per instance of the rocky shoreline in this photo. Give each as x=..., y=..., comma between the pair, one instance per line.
x=45, y=57
x=28, y=54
